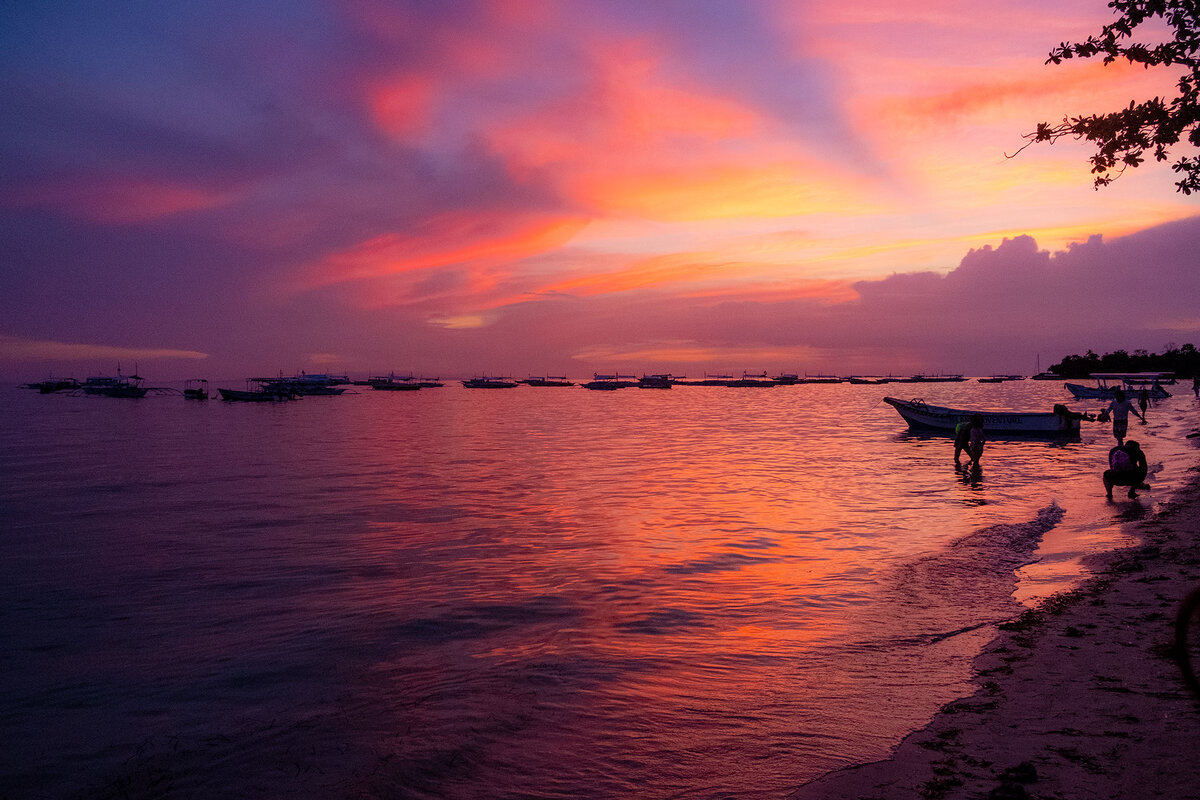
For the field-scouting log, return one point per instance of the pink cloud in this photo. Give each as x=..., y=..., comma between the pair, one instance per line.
x=118, y=200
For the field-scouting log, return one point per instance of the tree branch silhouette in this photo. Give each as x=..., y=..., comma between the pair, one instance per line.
x=1126, y=138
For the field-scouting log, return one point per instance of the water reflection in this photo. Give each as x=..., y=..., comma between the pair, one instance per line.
x=687, y=593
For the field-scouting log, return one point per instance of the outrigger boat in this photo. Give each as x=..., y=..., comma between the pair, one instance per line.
x=485, y=382
x=306, y=384
x=265, y=393
x=926, y=418
x=548, y=380
x=391, y=383
x=921, y=377
x=52, y=385
x=1107, y=384
x=120, y=386
x=610, y=382
x=195, y=389
x=659, y=381
x=759, y=381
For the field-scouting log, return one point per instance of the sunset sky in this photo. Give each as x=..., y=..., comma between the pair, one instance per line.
x=521, y=187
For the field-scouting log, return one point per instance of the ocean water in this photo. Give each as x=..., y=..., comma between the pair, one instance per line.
x=536, y=593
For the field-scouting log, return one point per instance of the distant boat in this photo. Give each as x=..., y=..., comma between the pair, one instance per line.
x=1107, y=384
x=484, y=382
x=866, y=380
x=1001, y=378
x=392, y=383
x=921, y=416
x=604, y=383
x=661, y=381
x=264, y=393
x=52, y=385
x=787, y=379
x=1038, y=375
x=195, y=389
x=759, y=381
x=307, y=384
x=819, y=379
x=395, y=386
x=119, y=386
x=923, y=378
x=547, y=380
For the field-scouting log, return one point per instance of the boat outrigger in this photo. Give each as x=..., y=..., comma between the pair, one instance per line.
x=926, y=418
x=1107, y=384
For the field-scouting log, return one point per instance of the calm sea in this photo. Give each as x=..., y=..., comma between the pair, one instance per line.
x=536, y=593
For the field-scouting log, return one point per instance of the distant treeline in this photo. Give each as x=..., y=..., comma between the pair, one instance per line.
x=1183, y=361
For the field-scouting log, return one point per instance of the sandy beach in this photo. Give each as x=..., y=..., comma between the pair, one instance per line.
x=1079, y=698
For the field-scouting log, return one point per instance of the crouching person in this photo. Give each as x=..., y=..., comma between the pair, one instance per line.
x=1126, y=467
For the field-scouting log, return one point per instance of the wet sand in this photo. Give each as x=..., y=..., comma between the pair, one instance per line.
x=1080, y=698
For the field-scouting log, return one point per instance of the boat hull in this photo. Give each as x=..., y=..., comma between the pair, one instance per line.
x=116, y=391
x=923, y=417
x=1081, y=392
x=488, y=383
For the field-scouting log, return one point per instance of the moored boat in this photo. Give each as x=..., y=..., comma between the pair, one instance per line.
x=306, y=384
x=118, y=386
x=1107, y=384
x=660, y=381
x=264, y=393
x=484, y=382
x=52, y=385
x=921, y=416
x=392, y=383
x=547, y=380
x=748, y=381
x=921, y=377
x=610, y=382
x=195, y=389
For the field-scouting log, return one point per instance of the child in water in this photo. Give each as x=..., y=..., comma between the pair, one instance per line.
x=968, y=436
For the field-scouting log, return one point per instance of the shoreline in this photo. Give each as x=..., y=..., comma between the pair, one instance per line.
x=1077, y=698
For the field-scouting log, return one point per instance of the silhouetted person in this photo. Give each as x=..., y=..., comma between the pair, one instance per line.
x=1144, y=401
x=1120, y=408
x=975, y=440
x=962, y=439
x=1196, y=386
x=1126, y=467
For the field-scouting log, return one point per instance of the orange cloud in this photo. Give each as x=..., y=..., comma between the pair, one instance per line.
x=625, y=114
x=648, y=273
x=473, y=240
x=1041, y=87
x=626, y=125
x=718, y=191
